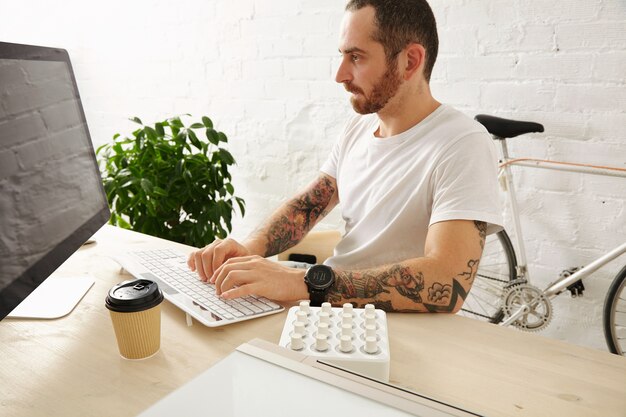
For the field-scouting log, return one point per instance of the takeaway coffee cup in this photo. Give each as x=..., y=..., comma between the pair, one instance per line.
x=135, y=308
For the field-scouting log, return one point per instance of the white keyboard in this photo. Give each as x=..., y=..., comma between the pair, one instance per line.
x=184, y=288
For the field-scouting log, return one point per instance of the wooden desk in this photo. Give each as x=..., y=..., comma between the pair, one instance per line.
x=71, y=366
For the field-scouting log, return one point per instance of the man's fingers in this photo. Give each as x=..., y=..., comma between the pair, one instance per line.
x=191, y=261
x=219, y=256
x=233, y=264
x=241, y=291
x=228, y=248
x=199, y=265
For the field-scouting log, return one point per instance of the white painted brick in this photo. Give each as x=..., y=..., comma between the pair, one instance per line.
x=311, y=24
x=327, y=90
x=607, y=127
x=537, y=38
x=589, y=36
x=281, y=48
x=610, y=66
x=471, y=13
x=457, y=94
x=283, y=89
x=503, y=11
x=558, y=11
x=323, y=6
x=548, y=180
x=605, y=220
x=272, y=8
x=558, y=67
x=320, y=46
x=235, y=10
x=610, y=189
x=612, y=10
x=590, y=98
x=262, y=69
x=265, y=110
x=458, y=41
x=307, y=69
x=267, y=27
x=239, y=49
x=245, y=89
x=484, y=68
x=557, y=125
x=590, y=152
x=527, y=146
x=525, y=96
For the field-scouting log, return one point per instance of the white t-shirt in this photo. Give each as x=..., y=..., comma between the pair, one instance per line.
x=392, y=189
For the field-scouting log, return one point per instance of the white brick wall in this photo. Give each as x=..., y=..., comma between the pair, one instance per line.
x=263, y=70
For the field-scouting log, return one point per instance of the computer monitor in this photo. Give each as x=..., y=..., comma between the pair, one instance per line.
x=51, y=194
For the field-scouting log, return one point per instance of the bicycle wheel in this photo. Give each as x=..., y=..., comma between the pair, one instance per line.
x=498, y=266
x=614, y=316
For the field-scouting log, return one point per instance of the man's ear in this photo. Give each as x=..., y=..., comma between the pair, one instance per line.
x=415, y=58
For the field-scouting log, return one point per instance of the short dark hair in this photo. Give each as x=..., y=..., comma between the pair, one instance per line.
x=400, y=22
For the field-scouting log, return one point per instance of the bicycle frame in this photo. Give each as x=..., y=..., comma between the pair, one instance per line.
x=505, y=175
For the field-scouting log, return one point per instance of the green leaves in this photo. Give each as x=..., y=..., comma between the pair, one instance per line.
x=226, y=156
x=212, y=136
x=167, y=180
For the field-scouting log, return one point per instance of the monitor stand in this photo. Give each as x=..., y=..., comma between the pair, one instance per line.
x=54, y=298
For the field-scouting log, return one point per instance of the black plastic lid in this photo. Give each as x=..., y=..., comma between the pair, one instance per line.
x=132, y=296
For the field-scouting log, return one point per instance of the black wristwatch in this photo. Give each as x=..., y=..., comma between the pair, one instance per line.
x=319, y=279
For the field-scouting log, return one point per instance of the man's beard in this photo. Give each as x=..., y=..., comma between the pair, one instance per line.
x=383, y=91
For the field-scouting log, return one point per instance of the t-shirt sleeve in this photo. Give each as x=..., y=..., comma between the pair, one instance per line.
x=464, y=183
x=331, y=165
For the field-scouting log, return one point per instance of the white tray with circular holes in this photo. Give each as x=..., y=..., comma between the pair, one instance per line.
x=375, y=365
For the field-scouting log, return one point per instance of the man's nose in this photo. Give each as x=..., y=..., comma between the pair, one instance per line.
x=343, y=75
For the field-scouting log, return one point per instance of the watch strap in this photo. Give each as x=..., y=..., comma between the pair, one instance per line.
x=317, y=297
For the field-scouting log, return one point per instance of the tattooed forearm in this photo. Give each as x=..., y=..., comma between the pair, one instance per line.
x=400, y=288
x=407, y=283
x=296, y=218
x=377, y=285
x=482, y=232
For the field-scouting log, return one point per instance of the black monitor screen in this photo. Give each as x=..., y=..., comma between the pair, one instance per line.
x=51, y=194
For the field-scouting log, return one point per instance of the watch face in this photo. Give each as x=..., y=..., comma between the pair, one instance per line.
x=319, y=276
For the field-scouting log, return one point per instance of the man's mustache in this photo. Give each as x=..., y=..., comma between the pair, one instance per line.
x=352, y=88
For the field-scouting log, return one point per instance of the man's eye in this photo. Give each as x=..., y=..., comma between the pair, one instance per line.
x=354, y=58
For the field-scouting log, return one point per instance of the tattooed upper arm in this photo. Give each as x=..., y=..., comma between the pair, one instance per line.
x=482, y=232
x=296, y=218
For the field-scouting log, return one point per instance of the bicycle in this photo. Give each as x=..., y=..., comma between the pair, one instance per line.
x=502, y=293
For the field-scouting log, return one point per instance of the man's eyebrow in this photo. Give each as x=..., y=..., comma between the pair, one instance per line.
x=352, y=50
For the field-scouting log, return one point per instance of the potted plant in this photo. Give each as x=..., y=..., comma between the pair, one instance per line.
x=171, y=181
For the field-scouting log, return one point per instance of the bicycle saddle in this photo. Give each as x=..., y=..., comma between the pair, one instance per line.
x=505, y=128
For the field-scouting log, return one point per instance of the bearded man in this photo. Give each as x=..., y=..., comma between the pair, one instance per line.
x=416, y=180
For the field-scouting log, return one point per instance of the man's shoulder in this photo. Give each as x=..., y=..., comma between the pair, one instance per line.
x=459, y=124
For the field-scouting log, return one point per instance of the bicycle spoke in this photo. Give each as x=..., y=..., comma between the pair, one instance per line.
x=491, y=278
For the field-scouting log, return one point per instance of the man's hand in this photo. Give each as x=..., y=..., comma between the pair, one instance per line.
x=242, y=276
x=206, y=261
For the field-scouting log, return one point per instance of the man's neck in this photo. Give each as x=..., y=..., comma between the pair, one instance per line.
x=405, y=111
